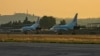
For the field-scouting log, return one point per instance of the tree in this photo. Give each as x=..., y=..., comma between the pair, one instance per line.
x=47, y=22
x=9, y=24
x=62, y=22
x=26, y=21
x=14, y=23
x=19, y=22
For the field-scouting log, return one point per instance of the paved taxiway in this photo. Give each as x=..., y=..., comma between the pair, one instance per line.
x=47, y=49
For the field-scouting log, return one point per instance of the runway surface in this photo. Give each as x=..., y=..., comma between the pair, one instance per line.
x=48, y=49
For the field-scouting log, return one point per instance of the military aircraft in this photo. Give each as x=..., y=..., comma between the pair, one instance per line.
x=70, y=26
x=34, y=27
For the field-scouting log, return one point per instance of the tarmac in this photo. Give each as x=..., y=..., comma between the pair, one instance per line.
x=48, y=49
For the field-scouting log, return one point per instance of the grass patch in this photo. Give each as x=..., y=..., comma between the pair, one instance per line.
x=67, y=39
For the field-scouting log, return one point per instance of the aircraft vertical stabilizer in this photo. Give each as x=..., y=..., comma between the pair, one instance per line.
x=74, y=21
x=36, y=23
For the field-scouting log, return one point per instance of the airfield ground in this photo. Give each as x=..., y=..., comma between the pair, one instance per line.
x=47, y=38
x=48, y=49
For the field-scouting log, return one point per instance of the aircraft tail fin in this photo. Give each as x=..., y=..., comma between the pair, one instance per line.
x=36, y=23
x=38, y=20
x=75, y=19
x=74, y=22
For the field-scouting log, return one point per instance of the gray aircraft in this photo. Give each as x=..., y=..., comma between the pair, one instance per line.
x=70, y=26
x=34, y=27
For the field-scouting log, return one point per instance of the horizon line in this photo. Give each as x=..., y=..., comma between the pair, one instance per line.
x=46, y=15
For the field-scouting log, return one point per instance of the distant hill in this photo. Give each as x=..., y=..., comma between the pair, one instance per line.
x=22, y=16
x=16, y=17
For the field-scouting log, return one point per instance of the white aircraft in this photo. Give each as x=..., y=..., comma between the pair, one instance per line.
x=34, y=27
x=70, y=26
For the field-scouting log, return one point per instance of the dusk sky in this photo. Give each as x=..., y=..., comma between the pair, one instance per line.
x=56, y=8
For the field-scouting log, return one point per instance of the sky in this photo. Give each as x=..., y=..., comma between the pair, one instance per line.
x=56, y=8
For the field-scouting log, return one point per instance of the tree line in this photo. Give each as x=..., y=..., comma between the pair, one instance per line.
x=46, y=22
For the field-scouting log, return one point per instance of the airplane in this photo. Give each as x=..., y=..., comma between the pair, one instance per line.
x=70, y=26
x=34, y=27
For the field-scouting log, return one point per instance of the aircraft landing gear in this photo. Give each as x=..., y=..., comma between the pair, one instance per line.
x=36, y=32
x=59, y=32
x=73, y=32
x=38, y=29
x=25, y=32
